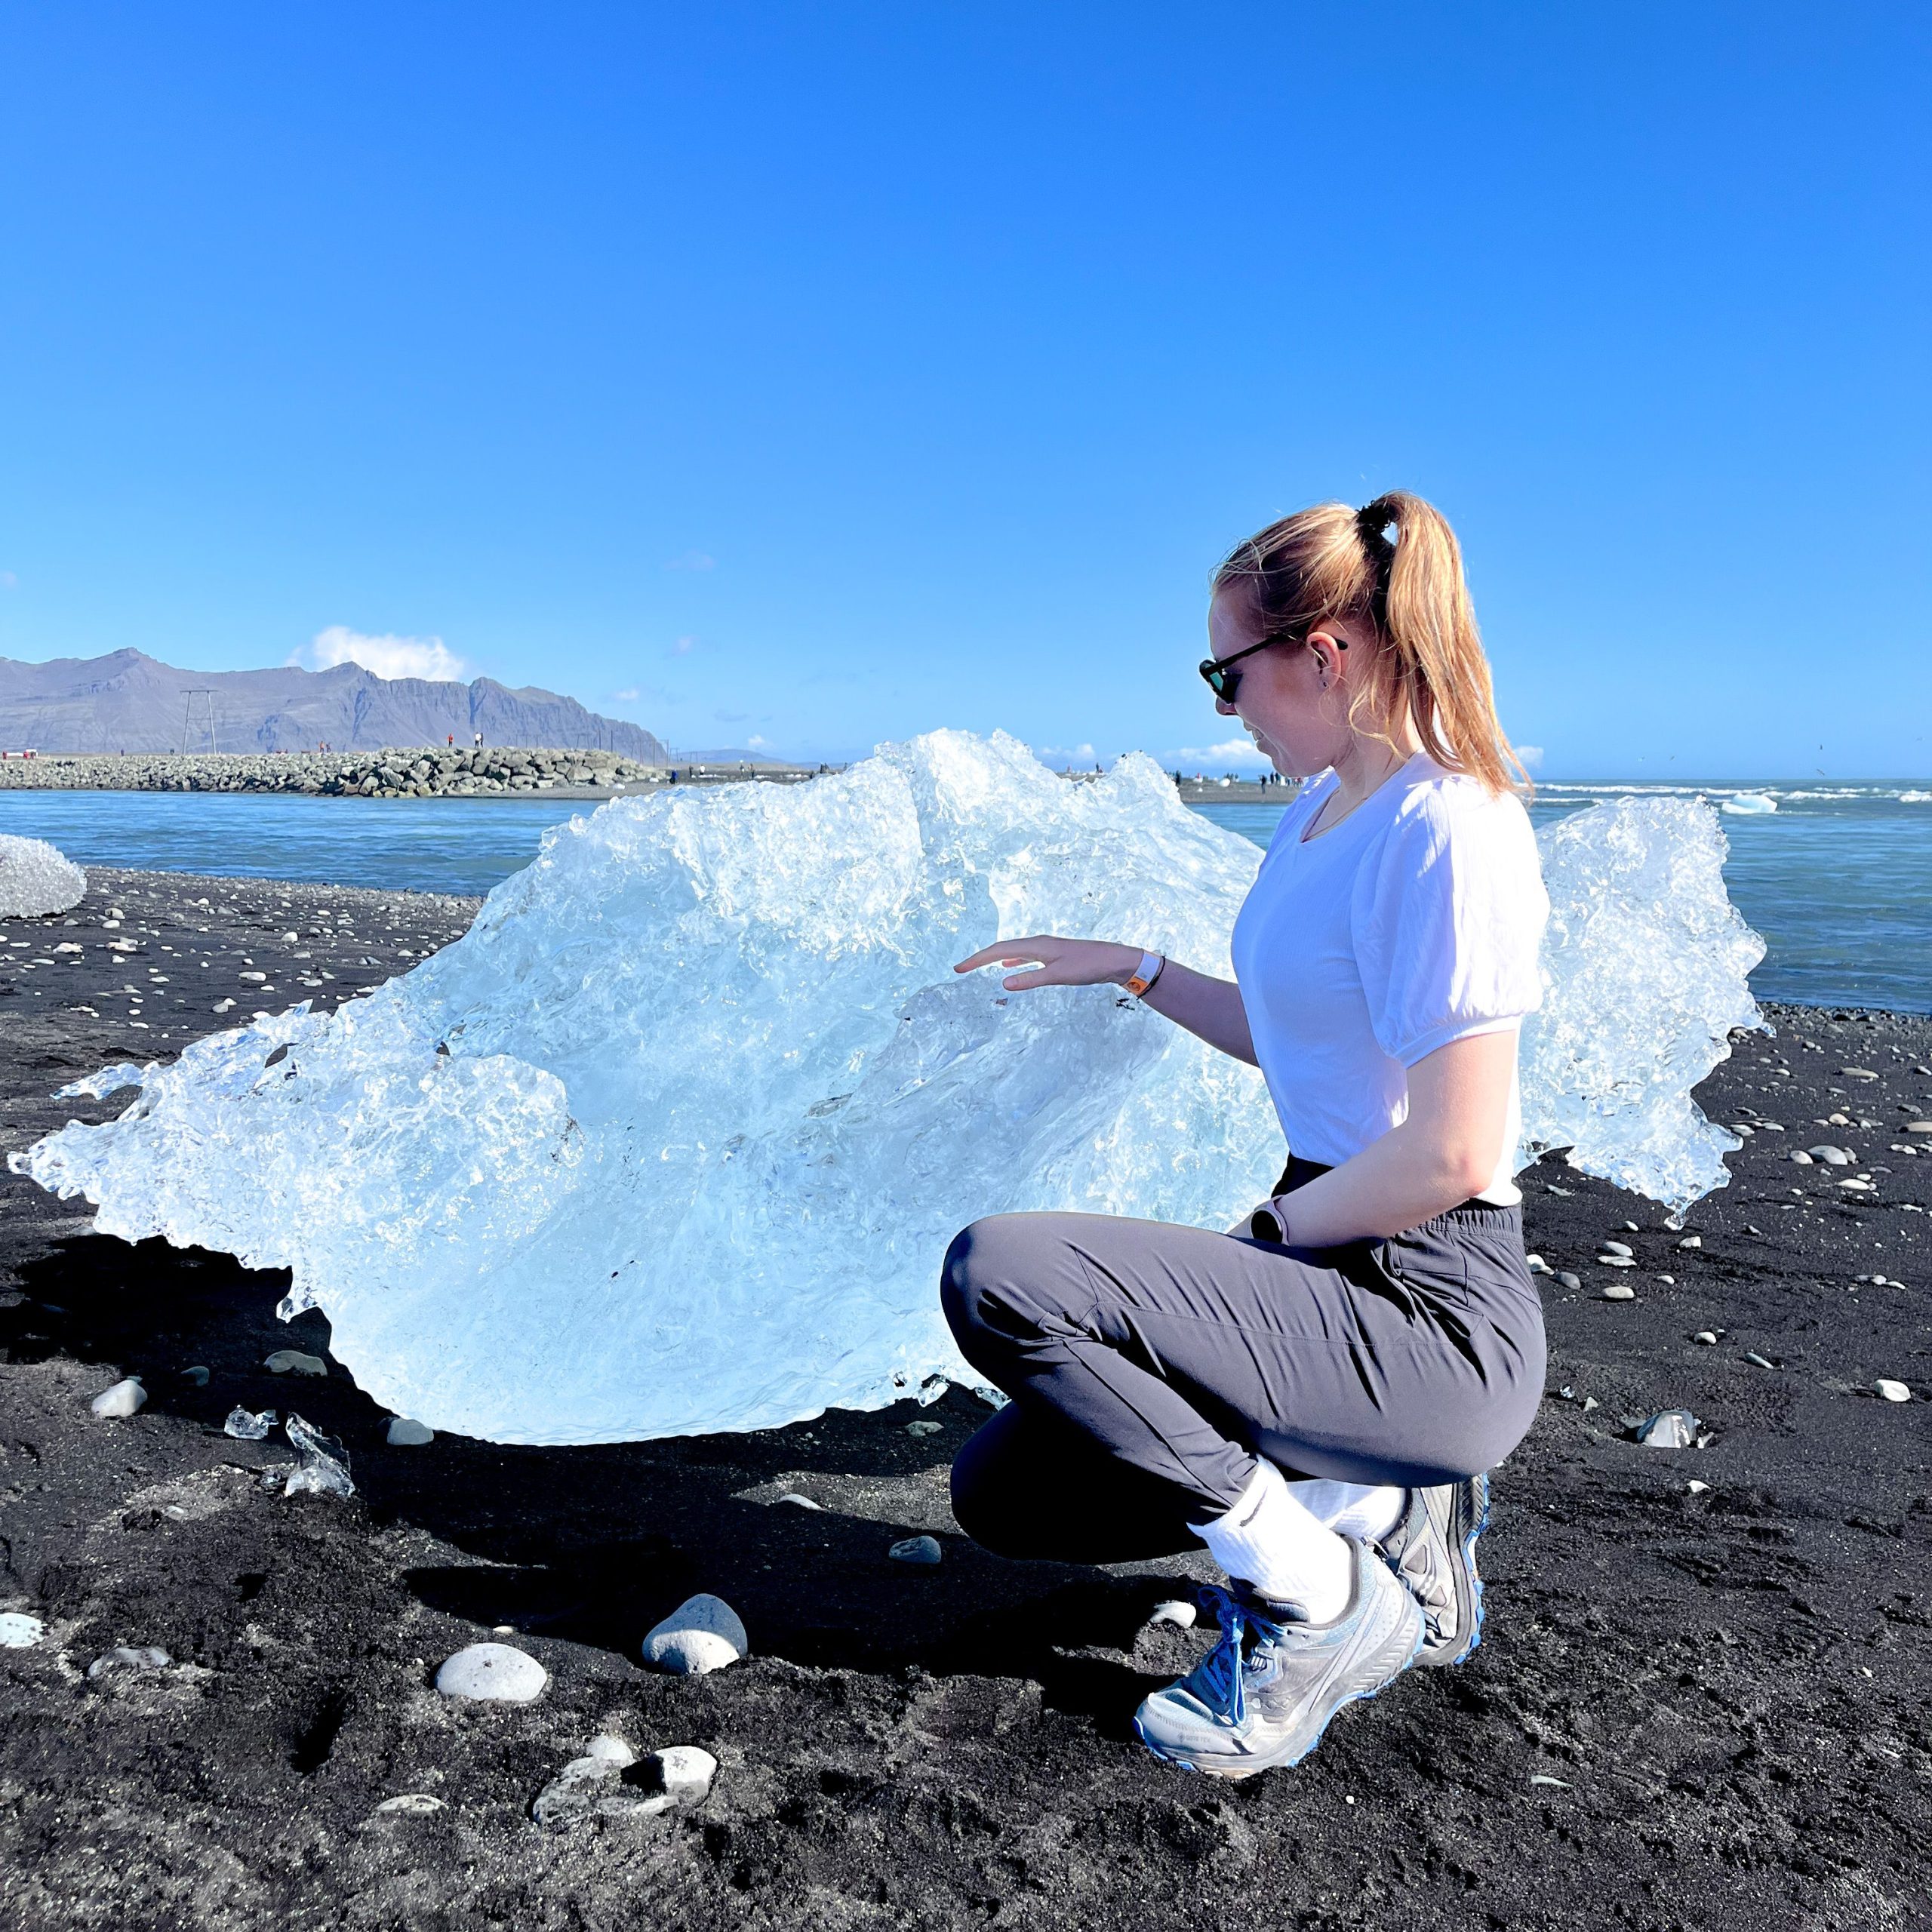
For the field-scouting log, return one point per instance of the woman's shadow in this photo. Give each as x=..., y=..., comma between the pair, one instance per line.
x=595, y=1544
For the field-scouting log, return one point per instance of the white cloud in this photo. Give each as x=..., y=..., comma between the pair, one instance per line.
x=757, y=742
x=692, y=560
x=630, y=696
x=1530, y=755
x=1231, y=754
x=682, y=648
x=1066, y=754
x=387, y=655
x=8, y=581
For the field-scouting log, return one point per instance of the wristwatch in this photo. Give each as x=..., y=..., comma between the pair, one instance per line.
x=1265, y=1224
x=1144, y=975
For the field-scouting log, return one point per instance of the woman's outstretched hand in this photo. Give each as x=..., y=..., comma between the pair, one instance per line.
x=1057, y=962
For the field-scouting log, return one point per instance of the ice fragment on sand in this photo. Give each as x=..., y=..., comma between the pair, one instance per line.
x=492, y=1673
x=248, y=1426
x=292, y=1361
x=123, y=1399
x=35, y=879
x=713, y=1101
x=916, y=1549
x=610, y=1749
x=1644, y=971
x=1674, y=1428
x=703, y=1633
x=129, y=1656
x=409, y=1805
x=1888, y=1390
x=404, y=1433
x=322, y=1462
x=20, y=1631
x=1182, y=1616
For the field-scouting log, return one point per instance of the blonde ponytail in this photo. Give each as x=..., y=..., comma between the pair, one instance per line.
x=1331, y=563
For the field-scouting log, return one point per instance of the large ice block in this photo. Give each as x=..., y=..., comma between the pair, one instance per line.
x=674, y=1139
x=37, y=878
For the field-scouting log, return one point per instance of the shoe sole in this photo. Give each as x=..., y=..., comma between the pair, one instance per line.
x=1470, y=1518
x=1233, y=1772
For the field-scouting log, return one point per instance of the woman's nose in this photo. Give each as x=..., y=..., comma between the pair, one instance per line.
x=1226, y=709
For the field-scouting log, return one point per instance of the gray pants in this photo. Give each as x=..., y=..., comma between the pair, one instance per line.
x=1149, y=1365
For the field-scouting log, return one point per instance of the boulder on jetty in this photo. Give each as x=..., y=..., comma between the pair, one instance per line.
x=416, y=772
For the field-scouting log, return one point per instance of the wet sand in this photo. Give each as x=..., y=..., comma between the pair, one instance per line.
x=1728, y=1688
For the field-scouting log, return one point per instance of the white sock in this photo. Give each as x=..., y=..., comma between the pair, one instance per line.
x=1269, y=1540
x=1367, y=1511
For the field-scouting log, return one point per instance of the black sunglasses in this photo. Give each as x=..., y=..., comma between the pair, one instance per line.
x=1224, y=684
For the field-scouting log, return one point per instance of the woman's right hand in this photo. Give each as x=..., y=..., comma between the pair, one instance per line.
x=1057, y=962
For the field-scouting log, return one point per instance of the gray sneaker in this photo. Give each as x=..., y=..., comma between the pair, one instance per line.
x=1433, y=1550
x=1249, y=1706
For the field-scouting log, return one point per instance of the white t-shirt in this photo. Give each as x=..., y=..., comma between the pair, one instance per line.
x=1414, y=921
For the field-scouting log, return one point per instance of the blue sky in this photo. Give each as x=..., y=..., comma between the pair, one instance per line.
x=817, y=375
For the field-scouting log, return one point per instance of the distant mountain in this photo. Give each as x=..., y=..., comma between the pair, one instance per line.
x=128, y=702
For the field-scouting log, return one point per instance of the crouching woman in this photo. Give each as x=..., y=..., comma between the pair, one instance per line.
x=1315, y=1397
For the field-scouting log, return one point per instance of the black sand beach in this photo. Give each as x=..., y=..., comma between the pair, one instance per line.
x=1699, y=1710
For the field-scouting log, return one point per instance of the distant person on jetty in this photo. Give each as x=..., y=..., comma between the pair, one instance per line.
x=1316, y=1395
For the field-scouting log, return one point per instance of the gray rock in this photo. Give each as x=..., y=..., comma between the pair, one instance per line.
x=122, y=1400
x=704, y=1633
x=610, y=1749
x=409, y=1805
x=196, y=1377
x=1757, y=1361
x=405, y=1433
x=1617, y=1247
x=922, y=1427
x=684, y=1772
x=1799, y=1157
x=292, y=1361
x=1567, y=1280
x=492, y=1674
x=1617, y=1291
x=1615, y=1261
x=916, y=1549
x=1692, y=1241
x=1832, y=1157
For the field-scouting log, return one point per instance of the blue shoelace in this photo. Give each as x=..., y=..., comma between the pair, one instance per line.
x=1219, y=1680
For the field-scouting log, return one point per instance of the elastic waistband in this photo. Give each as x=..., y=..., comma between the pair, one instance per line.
x=1473, y=1215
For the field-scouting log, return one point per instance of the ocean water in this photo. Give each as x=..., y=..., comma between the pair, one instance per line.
x=1837, y=878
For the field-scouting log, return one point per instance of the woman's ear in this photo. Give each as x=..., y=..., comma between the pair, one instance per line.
x=1327, y=646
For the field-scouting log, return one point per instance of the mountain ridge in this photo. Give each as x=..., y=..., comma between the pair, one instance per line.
x=127, y=701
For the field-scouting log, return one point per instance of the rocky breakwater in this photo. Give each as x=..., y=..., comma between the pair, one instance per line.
x=426, y=773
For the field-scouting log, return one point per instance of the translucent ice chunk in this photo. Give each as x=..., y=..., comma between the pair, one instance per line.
x=246, y=1427
x=35, y=879
x=674, y=1139
x=321, y=1463
x=1644, y=966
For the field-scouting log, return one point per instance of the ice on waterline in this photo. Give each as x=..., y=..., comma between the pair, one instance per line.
x=37, y=878
x=675, y=1138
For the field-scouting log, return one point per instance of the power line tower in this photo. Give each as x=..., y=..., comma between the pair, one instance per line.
x=206, y=693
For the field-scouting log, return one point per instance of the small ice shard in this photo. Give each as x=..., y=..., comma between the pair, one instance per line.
x=1674, y=1429
x=129, y=1656
x=1175, y=1610
x=1889, y=1391
x=123, y=1399
x=409, y=1805
x=574, y=1793
x=322, y=1462
x=610, y=1749
x=1694, y=1487
x=292, y=1361
x=704, y=1633
x=20, y=1631
x=405, y=1432
x=1747, y=804
x=36, y=878
x=247, y=1427
x=922, y=1428
x=916, y=1549
x=492, y=1673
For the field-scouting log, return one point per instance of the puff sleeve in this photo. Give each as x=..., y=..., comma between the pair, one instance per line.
x=1447, y=921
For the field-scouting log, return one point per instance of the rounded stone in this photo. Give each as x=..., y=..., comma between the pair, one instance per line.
x=292, y=1361
x=123, y=1399
x=608, y=1748
x=916, y=1549
x=1707, y=1337
x=684, y=1772
x=1618, y=1291
x=1181, y=1615
x=704, y=1633
x=493, y=1674
x=1566, y=1279
x=1888, y=1390
x=404, y=1433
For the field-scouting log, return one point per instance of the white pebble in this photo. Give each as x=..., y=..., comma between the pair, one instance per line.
x=1800, y=1159
x=1181, y=1615
x=1668, y=1281
x=405, y=1433
x=685, y=1772
x=1615, y=1261
x=129, y=1656
x=1616, y=1247
x=1706, y=1336
x=792, y=1497
x=292, y=1361
x=1890, y=1391
x=608, y=1748
x=1697, y=1488
x=703, y=1633
x=916, y=1549
x=1618, y=1291
x=20, y=1631
x=123, y=1399
x=492, y=1673
x=1536, y=1264
x=411, y=1804
x=1692, y=1241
